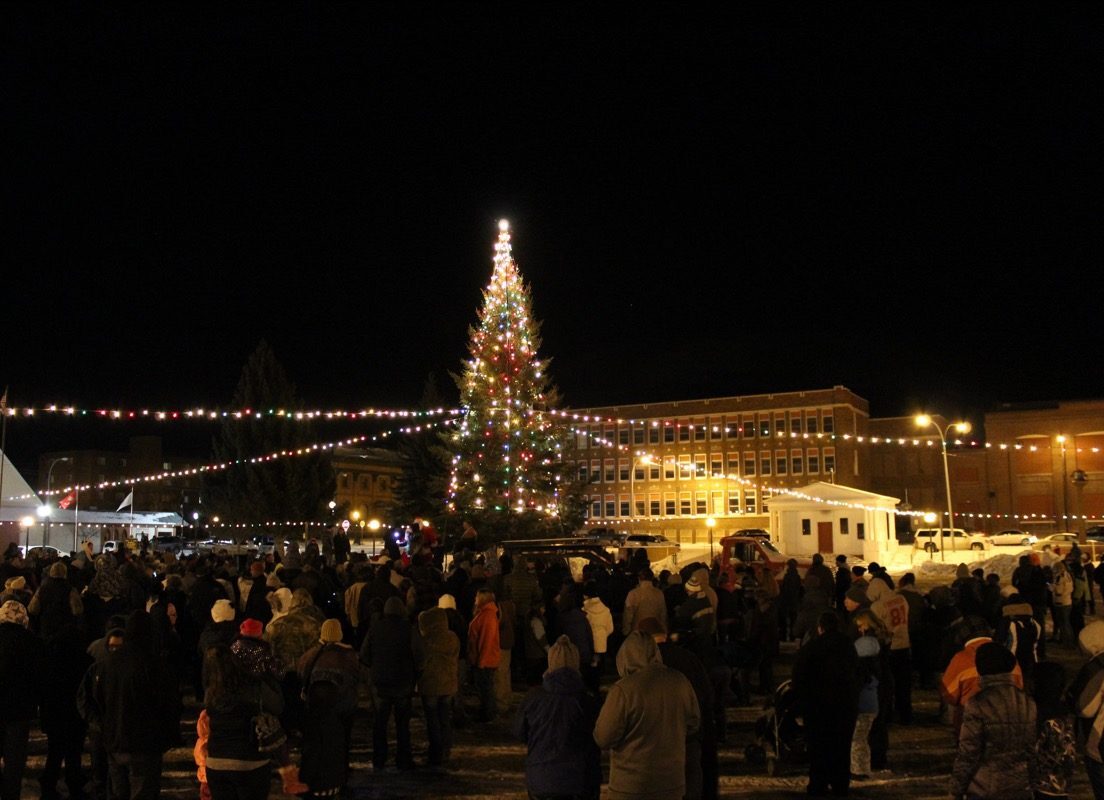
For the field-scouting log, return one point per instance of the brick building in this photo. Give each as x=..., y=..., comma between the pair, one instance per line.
x=669, y=467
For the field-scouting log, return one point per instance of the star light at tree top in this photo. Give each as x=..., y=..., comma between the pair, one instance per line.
x=506, y=451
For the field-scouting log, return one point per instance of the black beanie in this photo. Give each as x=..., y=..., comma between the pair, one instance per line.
x=993, y=659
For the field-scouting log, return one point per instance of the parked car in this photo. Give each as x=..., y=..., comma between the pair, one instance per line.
x=1013, y=536
x=1060, y=543
x=42, y=551
x=658, y=547
x=1095, y=532
x=928, y=540
x=606, y=536
x=167, y=544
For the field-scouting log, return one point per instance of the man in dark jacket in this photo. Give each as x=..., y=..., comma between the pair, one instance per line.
x=823, y=575
x=826, y=687
x=66, y=663
x=998, y=733
x=555, y=721
x=141, y=711
x=843, y=579
x=21, y=673
x=388, y=651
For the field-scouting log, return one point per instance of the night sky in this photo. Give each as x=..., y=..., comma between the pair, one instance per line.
x=904, y=200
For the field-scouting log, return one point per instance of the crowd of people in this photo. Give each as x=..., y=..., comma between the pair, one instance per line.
x=278, y=652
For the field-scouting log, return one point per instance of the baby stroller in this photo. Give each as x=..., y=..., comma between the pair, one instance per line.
x=778, y=732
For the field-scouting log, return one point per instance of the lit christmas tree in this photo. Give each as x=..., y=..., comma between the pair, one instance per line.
x=506, y=450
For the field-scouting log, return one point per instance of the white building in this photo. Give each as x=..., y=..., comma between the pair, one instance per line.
x=833, y=519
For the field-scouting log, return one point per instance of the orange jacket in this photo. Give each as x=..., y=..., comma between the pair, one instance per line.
x=961, y=679
x=483, y=647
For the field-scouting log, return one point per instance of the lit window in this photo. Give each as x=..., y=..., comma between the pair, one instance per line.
x=701, y=503
x=749, y=501
x=684, y=504
x=716, y=465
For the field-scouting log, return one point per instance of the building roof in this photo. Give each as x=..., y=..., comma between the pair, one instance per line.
x=833, y=492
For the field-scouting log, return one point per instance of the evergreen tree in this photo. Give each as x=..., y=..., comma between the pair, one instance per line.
x=293, y=489
x=420, y=487
x=506, y=465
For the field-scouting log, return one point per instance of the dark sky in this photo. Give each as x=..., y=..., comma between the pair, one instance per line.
x=903, y=200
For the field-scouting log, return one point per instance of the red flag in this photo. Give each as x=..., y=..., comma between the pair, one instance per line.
x=67, y=501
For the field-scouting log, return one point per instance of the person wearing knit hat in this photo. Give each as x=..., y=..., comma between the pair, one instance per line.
x=693, y=587
x=251, y=628
x=15, y=613
x=556, y=722
x=273, y=581
x=990, y=764
x=856, y=597
x=16, y=584
x=331, y=632
x=446, y=601
x=563, y=655
x=256, y=568
x=58, y=570
x=222, y=611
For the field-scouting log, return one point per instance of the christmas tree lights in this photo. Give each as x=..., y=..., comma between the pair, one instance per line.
x=506, y=449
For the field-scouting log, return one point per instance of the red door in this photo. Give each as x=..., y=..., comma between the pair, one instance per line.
x=824, y=537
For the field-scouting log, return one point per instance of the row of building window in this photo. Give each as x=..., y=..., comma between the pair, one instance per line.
x=745, y=426
x=810, y=461
x=672, y=504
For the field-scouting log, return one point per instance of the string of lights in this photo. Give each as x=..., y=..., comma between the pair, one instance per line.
x=220, y=466
x=729, y=432
x=217, y=415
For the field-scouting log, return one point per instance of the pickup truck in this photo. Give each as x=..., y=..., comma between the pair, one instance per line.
x=757, y=553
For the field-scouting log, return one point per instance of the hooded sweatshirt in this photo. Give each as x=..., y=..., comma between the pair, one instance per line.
x=644, y=722
x=441, y=649
x=892, y=609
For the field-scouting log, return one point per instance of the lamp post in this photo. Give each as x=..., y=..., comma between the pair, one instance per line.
x=1065, y=485
x=49, y=477
x=925, y=421
x=711, y=523
x=26, y=522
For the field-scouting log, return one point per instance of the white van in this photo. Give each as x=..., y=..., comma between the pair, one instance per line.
x=929, y=539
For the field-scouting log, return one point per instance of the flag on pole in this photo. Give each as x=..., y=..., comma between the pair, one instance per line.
x=67, y=501
x=127, y=501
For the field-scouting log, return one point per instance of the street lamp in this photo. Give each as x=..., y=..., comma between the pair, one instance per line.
x=1065, y=486
x=26, y=522
x=46, y=514
x=925, y=421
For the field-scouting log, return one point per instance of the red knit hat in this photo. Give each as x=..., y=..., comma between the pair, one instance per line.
x=256, y=569
x=253, y=628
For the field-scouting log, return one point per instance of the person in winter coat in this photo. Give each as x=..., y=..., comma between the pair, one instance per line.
x=296, y=632
x=645, y=722
x=535, y=636
x=696, y=619
x=439, y=681
x=1062, y=588
x=56, y=604
x=824, y=579
x=892, y=610
x=812, y=608
x=555, y=721
x=701, y=748
x=507, y=637
x=1086, y=698
x=22, y=662
x=642, y=602
x=998, y=732
x=961, y=679
x=388, y=652
x=1055, y=754
x=233, y=766
x=789, y=600
x=868, y=650
x=329, y=673
x=1022, y=634
x=222, y=629
x=843, y=579
x=829, y=659
x=484, y=652
x=141, y=711
x=65, y=665
x=601, y=626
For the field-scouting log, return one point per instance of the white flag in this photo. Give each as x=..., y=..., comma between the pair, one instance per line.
x=127, y=501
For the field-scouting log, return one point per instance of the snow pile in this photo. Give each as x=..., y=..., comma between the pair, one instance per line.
x=1003, y=564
